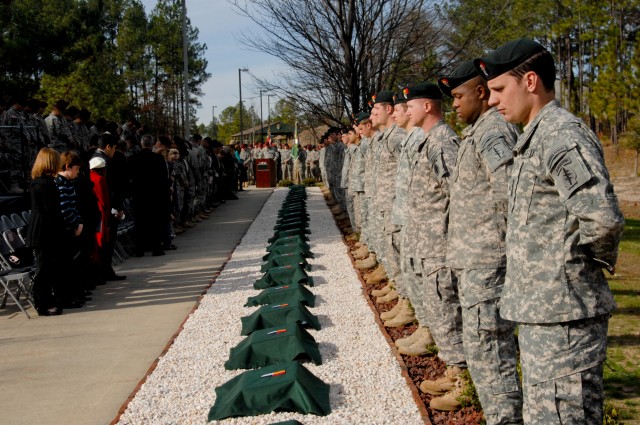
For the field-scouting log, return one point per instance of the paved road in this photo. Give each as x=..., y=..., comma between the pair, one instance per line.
x=80, y=367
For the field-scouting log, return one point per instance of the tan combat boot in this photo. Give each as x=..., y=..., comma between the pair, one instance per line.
x=362, y=254
x=394, y=311
x=378, y=276
x=405, y=317
x=411, y=339
x=378, y=271
x=331, y=203
x=443, y=384
x=393, y=295
x=341, y=216
x=368, y=263
x=336, y=210
x=421, y=345
x=352, y=237
x=357, y=244
x=451, y=400
x=383, y=291
x=358, y=252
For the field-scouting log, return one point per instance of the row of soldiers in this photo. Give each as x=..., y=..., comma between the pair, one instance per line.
x=479, y=235
x=24, y=130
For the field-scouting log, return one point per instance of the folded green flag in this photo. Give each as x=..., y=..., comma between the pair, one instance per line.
x=288, y=240
x=279, y=344
x=272, y=315
x=285, y=294
x=287, y=387
x=288, y=249
x=292, y=225
x=285, y=275
x=288, y=259
x=284, y=233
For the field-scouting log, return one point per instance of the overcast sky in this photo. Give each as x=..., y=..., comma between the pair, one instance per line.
x=220, y=27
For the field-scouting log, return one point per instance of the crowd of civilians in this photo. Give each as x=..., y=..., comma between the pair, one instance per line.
x=101, y=176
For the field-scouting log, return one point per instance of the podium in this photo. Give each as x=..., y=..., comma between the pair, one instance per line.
x=265, y=172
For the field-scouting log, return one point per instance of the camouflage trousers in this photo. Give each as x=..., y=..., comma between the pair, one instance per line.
x=392, y=254
x=350, y=211
x=365, y=233
x=377, y=233
x=356, y=220
x=412, y=278
x=490, y=345
x=562, y=371
x=441, y=297
x=298, y=172
x=287, y=171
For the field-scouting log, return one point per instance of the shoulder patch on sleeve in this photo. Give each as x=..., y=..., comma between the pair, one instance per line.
x=436, y=158
x=496, y=152
x=567, y=169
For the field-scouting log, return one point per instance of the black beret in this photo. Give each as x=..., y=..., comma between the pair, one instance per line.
x=61, y=105
x=463, y=73
x=399, y=98
x=424, y=90
x=506, y=57
x=384, y=96
x=362, y=116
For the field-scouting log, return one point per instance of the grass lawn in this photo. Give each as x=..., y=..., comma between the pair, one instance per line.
x=622, y=370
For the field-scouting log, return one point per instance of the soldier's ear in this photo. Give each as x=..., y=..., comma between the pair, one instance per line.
x=482, y=92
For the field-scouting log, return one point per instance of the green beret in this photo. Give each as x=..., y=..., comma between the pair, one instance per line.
x=424, y=90
x=384, y=96
x=507, y=57
x=362, y=116
x=463, y=73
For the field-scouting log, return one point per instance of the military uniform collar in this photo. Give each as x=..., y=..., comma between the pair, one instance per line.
x=468, y=132
x=530, y=128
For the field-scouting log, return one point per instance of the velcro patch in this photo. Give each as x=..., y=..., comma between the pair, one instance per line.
x=568, y=170
x=436, y=159
x=496, y=152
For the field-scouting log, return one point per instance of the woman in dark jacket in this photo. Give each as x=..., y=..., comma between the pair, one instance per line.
x=44, y=233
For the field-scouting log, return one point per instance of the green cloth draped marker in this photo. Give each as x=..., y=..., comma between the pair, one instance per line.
x=286, y=387
x=273, y=315
x=290, y=294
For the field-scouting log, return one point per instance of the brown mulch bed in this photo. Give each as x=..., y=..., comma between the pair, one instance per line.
x=419, y=367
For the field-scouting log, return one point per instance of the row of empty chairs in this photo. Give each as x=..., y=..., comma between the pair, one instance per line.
x=16, y=261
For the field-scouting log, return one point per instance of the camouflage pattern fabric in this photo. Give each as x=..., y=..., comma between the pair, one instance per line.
x=426, y=233
x=403, y=175
x=61, y=138
x=478, y=212
x=564, y=223
x=562, y=366
x=490, y=347
x=442, y=302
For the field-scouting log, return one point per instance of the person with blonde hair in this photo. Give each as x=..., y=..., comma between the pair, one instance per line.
x=44, y=232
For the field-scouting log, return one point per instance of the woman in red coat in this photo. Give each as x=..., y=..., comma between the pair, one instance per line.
x=99, y=180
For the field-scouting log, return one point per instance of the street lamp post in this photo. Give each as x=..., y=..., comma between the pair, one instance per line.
x=240, y=71
x=261, y=120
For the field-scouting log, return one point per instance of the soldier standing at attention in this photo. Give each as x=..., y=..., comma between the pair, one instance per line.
x=427, y=221
x=476, y=247
x=564, y=226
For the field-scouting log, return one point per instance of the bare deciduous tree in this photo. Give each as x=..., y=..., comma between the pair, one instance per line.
x=339, y=52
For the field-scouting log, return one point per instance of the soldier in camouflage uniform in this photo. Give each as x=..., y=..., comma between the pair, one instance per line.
x=427, y=220
x=418, y=342
x=476, y=246
x=357, y=178
x=286, y=162
x=61, y=138
x=564, y=226
x=14, y=149
x=389, y=152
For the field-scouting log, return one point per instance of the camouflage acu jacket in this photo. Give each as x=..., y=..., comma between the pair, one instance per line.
x=408, y=147
x=356, y=174
x=564, y=223
x=346, y=165
x=428, y=197
x=371, y=161
x=388, y=167
x=478, y=212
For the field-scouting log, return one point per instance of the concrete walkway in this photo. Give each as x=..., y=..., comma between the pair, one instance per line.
x=79, y=368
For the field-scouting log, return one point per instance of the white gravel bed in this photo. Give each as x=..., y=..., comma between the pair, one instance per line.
x=365, y=379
